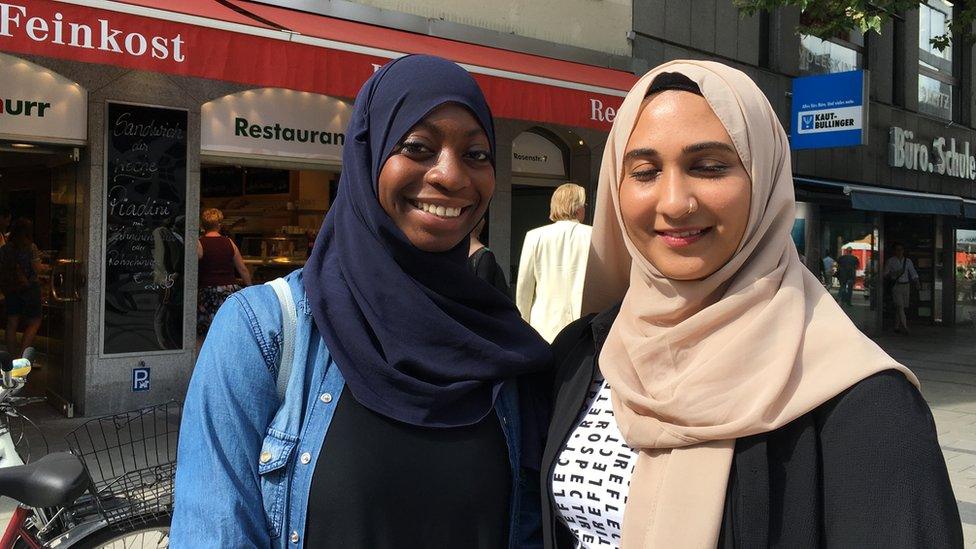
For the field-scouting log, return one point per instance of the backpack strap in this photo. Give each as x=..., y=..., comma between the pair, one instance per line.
x=289, y=327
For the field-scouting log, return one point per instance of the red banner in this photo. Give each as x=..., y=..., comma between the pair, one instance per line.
x=91, y=35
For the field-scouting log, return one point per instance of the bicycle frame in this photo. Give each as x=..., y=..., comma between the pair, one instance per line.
x=68, y=526
x=17, y=529
x=8, y=451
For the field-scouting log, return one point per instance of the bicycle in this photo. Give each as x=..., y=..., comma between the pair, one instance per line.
x=10, y=447
x=113, y=488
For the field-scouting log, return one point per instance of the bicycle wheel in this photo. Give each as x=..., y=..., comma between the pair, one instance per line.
x=151, y=534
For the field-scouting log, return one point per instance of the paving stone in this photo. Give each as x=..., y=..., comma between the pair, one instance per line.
x=945, y=362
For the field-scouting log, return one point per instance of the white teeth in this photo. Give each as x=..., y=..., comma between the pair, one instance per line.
x=684, y=234
x=439, y=211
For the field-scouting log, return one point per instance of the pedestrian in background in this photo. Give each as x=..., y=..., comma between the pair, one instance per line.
x=4, y=224
x=483, y=263
x=828, y=271
x=847, y=266
x=553, y=264
x=218, y=261
x=901, y=275
x=727, y=400
x=403, y=422
x=20, y=265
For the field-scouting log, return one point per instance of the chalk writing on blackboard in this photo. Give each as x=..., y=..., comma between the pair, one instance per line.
x=145, y=207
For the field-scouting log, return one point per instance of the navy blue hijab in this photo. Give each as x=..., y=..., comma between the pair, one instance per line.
x=417, y=336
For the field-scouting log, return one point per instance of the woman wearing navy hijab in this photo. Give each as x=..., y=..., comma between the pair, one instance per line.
x=401, y=424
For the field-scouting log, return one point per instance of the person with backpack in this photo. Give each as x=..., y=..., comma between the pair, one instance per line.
x=377, y=398
x=20, y=264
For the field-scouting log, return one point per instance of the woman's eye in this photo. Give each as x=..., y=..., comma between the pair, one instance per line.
x=480, y=156
x=711, y=169
x=645, y=174
x=413, y=148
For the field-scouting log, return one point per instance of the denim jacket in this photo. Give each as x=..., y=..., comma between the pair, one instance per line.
x=245, y=459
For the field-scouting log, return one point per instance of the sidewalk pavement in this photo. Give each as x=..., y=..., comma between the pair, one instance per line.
x=944, y=360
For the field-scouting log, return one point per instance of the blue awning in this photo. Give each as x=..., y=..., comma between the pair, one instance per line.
x=820, y=183
x=969, y=209
x=914, y=203
x=879, y=199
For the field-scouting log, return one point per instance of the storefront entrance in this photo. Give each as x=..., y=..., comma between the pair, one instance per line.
x=917, y=234
x=39, y=187
x=530, y=209
x=539, y=165
x=273, y=214
x=849, y=240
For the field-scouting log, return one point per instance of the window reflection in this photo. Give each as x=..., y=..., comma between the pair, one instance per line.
x=965, y=272
x=936, y=78
x=823, y=56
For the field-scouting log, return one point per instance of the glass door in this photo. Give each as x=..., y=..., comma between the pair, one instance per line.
x=39, y=189
x=850, y=263
x=917, y=234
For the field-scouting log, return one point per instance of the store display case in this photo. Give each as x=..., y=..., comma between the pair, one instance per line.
x=269, y=257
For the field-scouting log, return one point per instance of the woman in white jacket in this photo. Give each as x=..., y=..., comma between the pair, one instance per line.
x=550, y=277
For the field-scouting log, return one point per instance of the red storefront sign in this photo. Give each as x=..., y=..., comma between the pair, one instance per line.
x=213, y=42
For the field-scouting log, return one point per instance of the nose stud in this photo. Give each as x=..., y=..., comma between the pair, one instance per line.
x=692, y=206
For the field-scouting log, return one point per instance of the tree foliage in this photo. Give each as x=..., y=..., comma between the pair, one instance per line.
x=830, y=18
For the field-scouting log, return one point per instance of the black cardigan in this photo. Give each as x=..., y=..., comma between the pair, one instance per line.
x=862, y=470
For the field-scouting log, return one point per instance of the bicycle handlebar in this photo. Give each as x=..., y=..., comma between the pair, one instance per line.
x=6, y=365
x=20, y=366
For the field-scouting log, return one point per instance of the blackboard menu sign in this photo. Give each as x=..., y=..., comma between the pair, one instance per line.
x=145, y=207
x=266, y=181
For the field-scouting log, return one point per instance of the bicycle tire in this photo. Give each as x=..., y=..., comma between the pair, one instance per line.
x=111, y=536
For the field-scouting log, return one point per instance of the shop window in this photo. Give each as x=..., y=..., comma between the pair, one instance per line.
x=827, y=56
x=847, y=262
x=273, y=214
x=965, y=272
x=841, y=53
x=935, y=67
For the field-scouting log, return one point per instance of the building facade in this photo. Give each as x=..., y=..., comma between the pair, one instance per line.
x=912, y=182
x=120, y=122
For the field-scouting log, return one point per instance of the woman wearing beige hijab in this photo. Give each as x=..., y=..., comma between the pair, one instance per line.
x=721, y=398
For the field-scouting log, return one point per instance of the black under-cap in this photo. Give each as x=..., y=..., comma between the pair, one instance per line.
x=673, y=81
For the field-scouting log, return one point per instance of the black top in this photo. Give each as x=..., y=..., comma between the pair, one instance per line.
x=484, y=264
x=216, y=265
x=382, y=484
x=862, y=470
x=847, y=265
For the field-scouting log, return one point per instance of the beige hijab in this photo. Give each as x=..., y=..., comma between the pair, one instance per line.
x=695, y=365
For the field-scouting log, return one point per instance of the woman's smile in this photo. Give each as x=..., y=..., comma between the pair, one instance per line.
x=685, y=194
x=438, y=181
x=680, y=238
x=441, y=211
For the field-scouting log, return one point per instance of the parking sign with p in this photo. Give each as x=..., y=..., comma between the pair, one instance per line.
x=140, y=379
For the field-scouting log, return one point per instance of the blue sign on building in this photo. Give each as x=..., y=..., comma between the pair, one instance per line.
x=140, y=379
x=829, y=110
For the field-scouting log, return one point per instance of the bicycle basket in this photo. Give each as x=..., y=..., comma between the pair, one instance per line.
x=131, y=458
